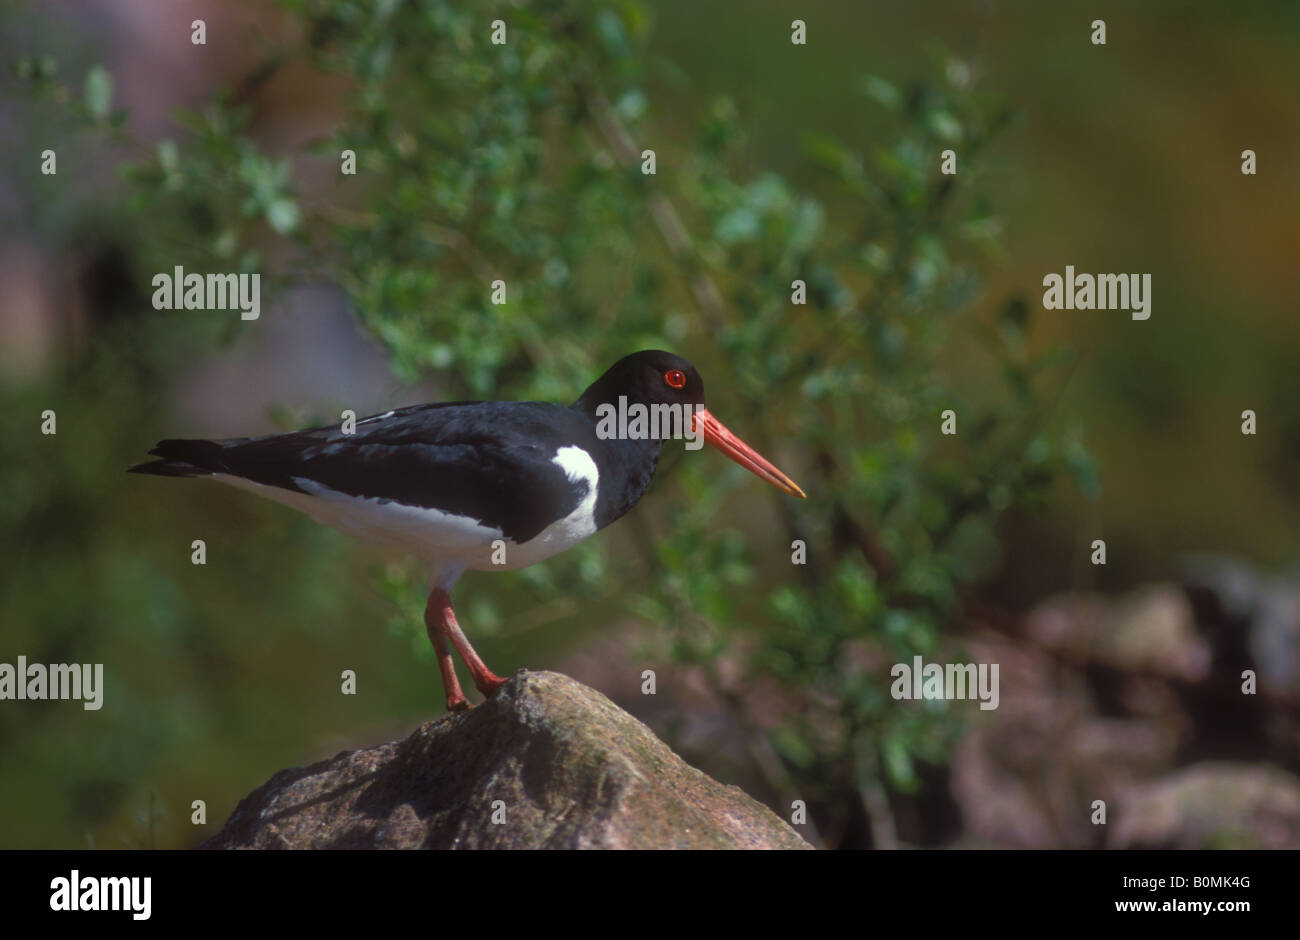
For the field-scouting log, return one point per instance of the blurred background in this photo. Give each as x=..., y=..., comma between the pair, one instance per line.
x=815, y=162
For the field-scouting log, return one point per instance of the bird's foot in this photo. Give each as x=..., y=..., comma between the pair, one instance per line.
x=488, y=683
x=458, y=704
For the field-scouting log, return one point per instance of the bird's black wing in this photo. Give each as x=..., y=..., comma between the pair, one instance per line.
x=489, y=461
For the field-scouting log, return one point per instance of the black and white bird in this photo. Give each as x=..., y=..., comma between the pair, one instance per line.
x=482, y=485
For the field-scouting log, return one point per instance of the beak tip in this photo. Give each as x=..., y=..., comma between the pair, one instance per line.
x=717, y=435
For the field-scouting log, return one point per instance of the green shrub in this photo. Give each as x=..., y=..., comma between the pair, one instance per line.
x=523, y=162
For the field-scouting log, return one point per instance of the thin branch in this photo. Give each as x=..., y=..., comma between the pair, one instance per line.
x=662, y=210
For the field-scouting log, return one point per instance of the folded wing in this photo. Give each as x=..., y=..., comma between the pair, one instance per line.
x=487, y=462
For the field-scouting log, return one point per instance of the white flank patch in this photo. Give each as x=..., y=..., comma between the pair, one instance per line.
x=452, y=543
x=573, y=528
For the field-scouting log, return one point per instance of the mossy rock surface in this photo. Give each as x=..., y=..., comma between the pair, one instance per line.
x=546, y=763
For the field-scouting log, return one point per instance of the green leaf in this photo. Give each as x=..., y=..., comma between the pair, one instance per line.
x=944, y=126
x=880, y=91
x=739, y=225
x=282, y=215
x=99, y=92
x=898, y=764
x=168, y=155
x=1084, y=470
x=632, y=105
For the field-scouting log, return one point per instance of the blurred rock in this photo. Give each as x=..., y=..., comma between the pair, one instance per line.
x=1112, y=695
x=1211, y=806
x=1222, y=588
x=570, y=769
x=1024, y=775
x=1252, y=618
x=1152, y=630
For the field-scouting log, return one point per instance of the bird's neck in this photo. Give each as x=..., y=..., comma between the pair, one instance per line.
x=626, y=466
x=629, y=466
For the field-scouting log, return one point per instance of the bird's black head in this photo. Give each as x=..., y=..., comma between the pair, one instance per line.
x=650, y=377
x=646, y=381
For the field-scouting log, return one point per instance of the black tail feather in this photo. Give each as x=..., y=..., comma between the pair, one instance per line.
x=183, y=458
x=169, y=468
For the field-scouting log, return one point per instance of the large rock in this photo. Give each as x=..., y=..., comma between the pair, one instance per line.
x=569, y=768
x=1212, y=806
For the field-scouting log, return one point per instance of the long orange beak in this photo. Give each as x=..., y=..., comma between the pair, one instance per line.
x=716, y=433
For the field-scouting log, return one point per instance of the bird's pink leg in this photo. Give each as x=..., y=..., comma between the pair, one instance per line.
x=485, y=680
x=436, y=628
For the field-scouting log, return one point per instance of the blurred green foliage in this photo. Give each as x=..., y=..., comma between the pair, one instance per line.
x=522, y=162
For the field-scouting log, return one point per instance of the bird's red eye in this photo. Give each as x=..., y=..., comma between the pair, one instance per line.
x=675, y=378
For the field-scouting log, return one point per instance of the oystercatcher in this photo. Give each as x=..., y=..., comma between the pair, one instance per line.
x=484, y=485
